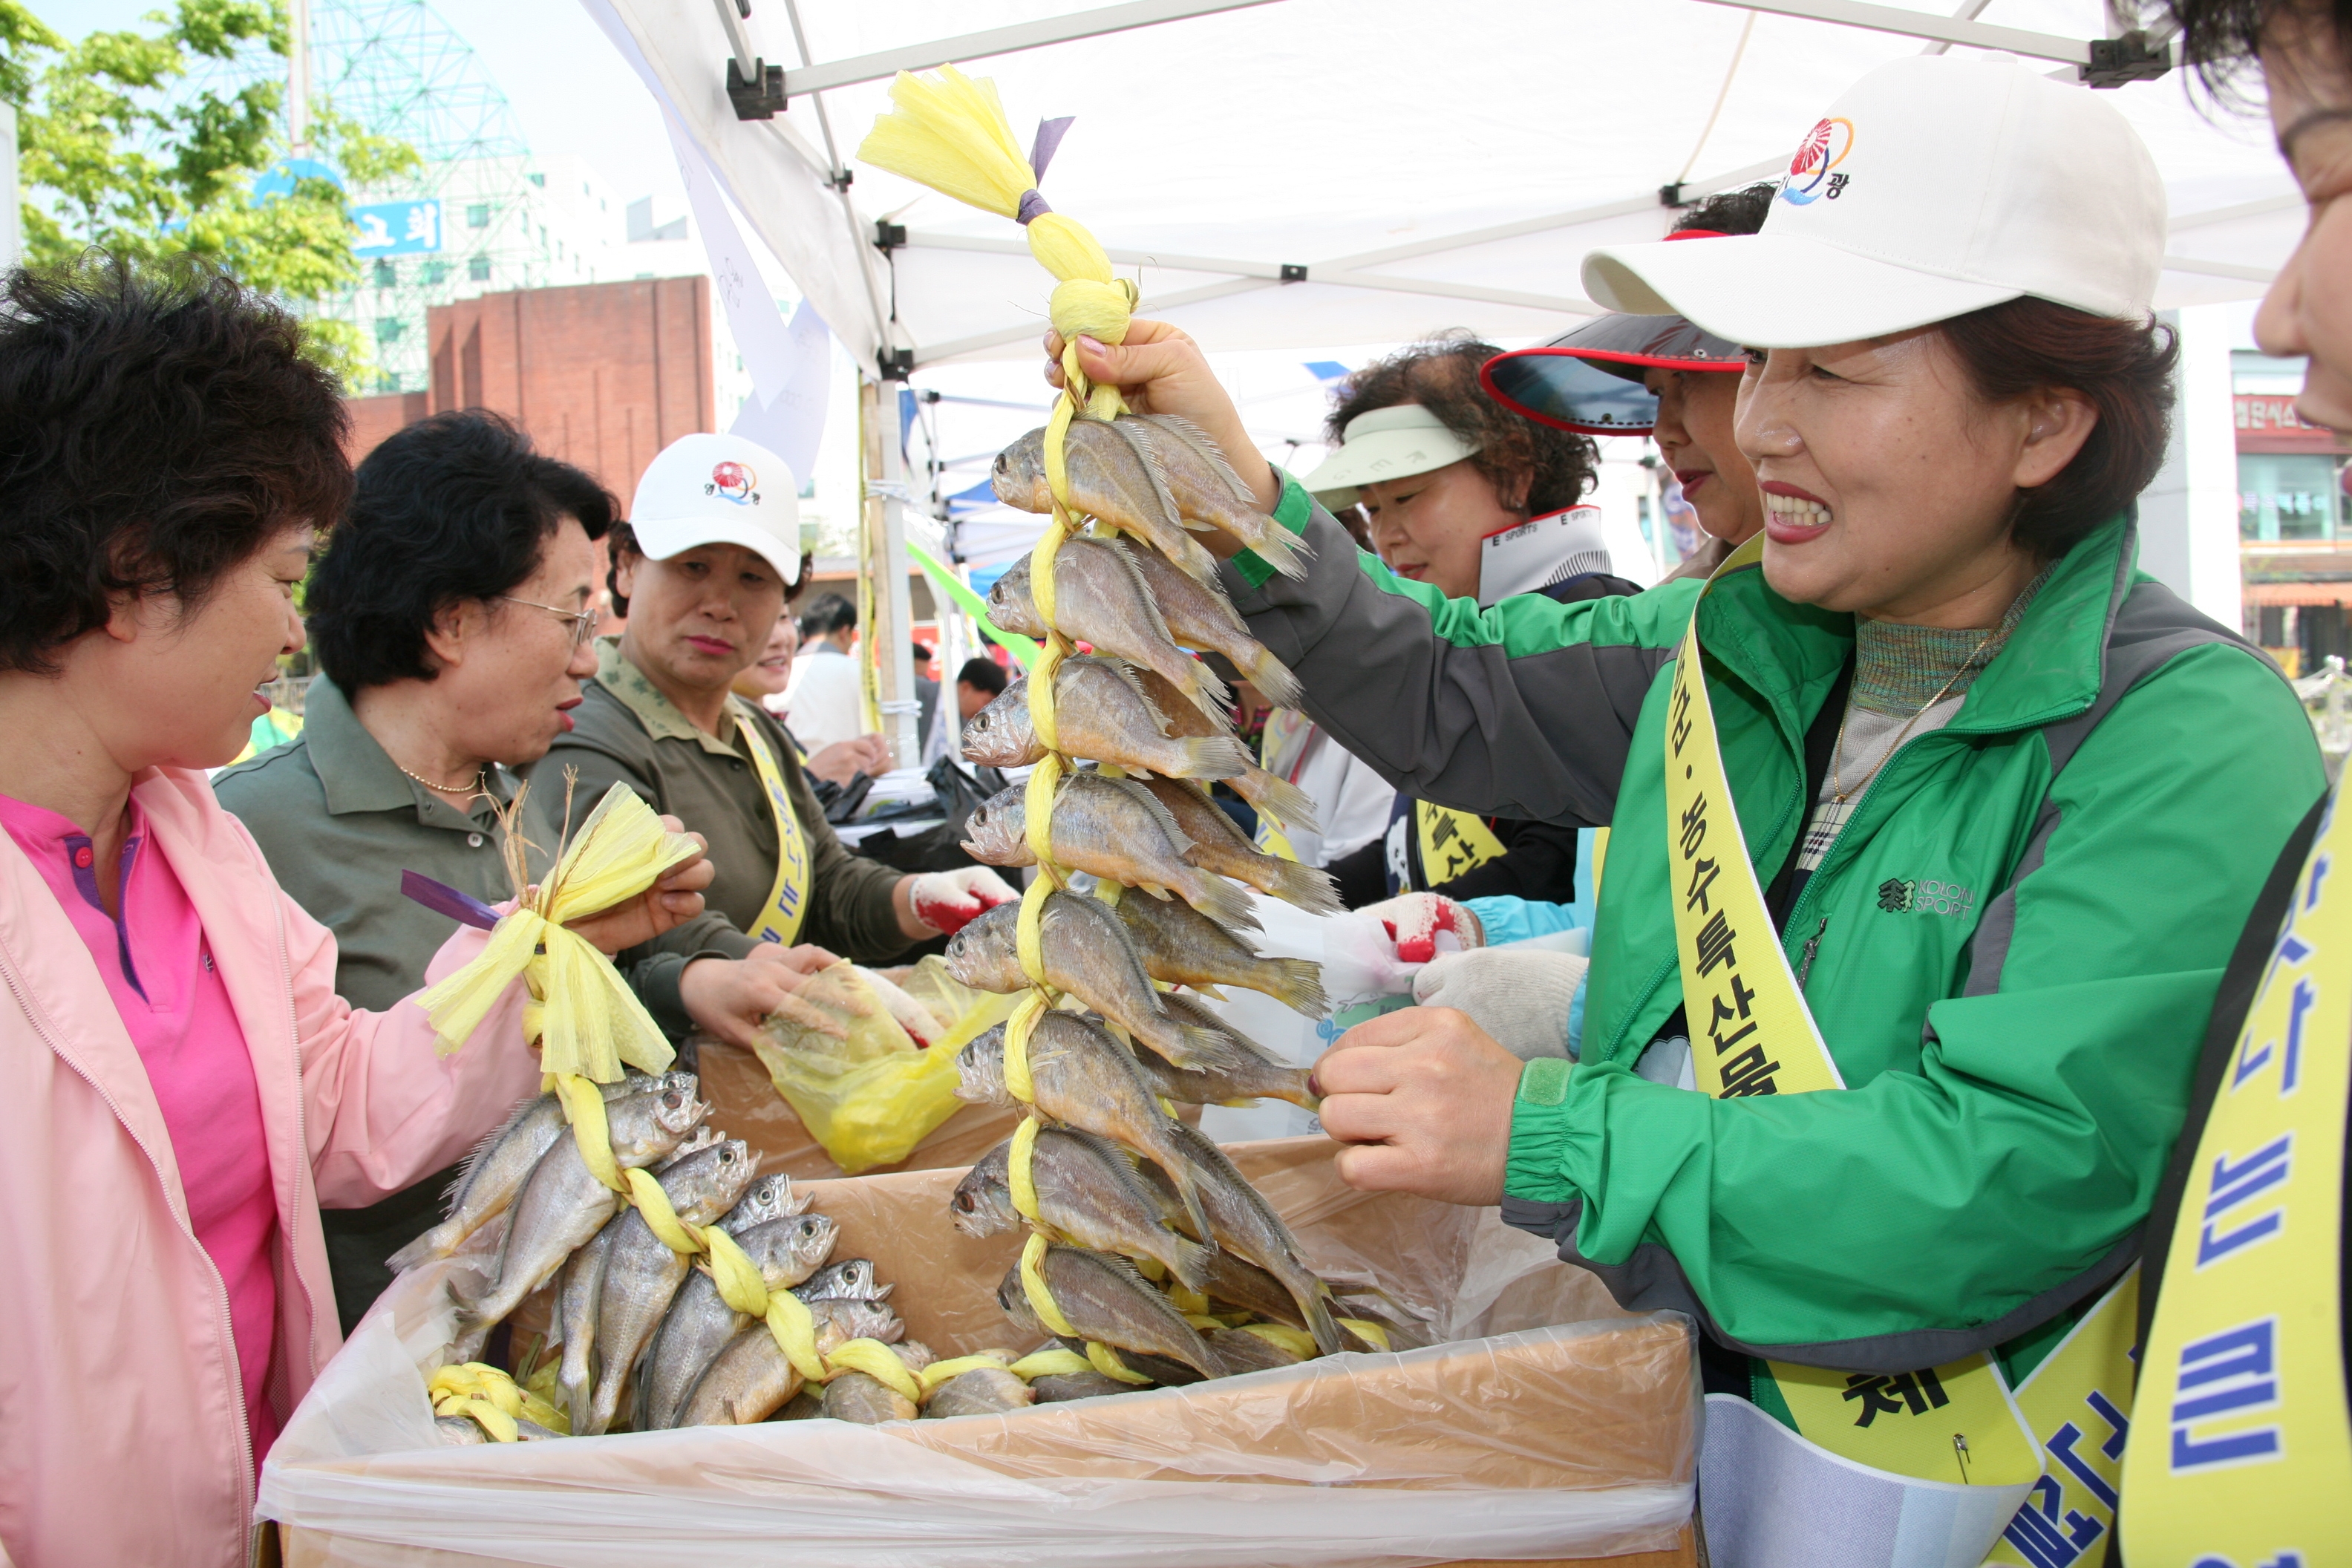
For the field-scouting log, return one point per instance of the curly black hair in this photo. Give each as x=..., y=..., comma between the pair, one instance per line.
x=2222, y=39
x=158, y=427
x=1742, y=211
x=1534, y=467
x=455, y=507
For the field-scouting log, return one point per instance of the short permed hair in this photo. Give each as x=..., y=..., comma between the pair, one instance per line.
x=1532, y=467
x=1742, y=211
x=455, y=507
x=2123, y=368
x=159, y=426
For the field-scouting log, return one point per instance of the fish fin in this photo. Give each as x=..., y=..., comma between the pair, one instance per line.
x=1189, y=1260
x=797, y=1203
x=1120, y=668
x=1298, y=986
x=1186, y=1010
x=1192, y=436
x=1221, y=902
x=1118, y=548
x=1273, y=680
x=1214, y=757
x=1277, y=797
x=1284, y=550
x=1139, y=440
x=1142, y=795
x=1188, y=1189
x=1304, y=887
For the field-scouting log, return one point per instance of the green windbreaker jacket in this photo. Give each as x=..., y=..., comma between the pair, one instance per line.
x=2015, y=939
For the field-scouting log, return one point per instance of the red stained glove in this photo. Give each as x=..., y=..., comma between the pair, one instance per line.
x=1413, y=920
x=949, y=901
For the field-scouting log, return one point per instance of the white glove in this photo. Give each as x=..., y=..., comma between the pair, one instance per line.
x=949, y=901
x=1519, y=997
x=1413, y=920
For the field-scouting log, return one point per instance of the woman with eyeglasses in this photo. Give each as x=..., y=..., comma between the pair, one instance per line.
x=452, y=617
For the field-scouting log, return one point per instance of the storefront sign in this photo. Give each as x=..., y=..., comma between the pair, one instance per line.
x=2267, y=422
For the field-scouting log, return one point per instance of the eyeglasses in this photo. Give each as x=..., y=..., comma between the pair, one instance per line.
x=584, y=622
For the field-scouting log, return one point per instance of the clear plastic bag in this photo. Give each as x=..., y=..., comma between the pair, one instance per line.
x=1546, y=1423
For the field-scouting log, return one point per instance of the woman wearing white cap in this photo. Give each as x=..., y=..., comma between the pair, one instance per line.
x=1929, y=849
x=701, y=570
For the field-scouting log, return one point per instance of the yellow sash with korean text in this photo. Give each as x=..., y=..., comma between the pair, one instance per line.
x=787, y=905
x=2244, y=1456
x=1451, y=842
x=1752, y=1034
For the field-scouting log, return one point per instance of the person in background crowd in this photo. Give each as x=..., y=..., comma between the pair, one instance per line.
x=764, y=683
x=181, y=1085
x=980, y=682
x=451, y=616
x=927, y=693
x=2213, y=1489
x=826, y=698
x=1660, y=377
x=1352, y=805
x=1479, y=501
x=702, y=580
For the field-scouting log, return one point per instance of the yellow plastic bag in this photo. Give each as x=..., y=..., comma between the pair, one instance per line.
x=869, y=1098
x=586, y=1020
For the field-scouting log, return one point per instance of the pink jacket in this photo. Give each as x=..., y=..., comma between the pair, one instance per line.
x=122, y=1430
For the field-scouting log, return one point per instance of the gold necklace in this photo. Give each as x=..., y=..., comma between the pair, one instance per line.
x=464, y=791
x=1838, y=793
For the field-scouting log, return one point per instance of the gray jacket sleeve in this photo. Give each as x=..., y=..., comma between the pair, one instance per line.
x=1522, y=711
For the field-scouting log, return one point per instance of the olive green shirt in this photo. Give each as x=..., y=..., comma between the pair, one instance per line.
x=339, y=822
x=626, y=732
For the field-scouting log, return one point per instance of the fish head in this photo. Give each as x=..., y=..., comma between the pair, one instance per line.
x=1000, y=735
x=1018, y=476
x=1012, y=1299
x=982, y=1203
x=860, y=1320
x=1009, y=598
x=985, y=955
x=683, y=1082
x=980, y=1069
x=998, y=832
x=810, y=1243
x=852, y=1277
x=709, y=1180
x=767, y=1198
x=678, y=1110
x=646, y=1126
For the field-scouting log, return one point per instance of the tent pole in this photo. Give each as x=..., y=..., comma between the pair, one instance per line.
x=890, y=630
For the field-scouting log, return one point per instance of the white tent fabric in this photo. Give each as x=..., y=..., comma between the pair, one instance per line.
x=1427, y=166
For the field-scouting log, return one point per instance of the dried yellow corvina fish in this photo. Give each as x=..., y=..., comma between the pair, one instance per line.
x=584, y=1018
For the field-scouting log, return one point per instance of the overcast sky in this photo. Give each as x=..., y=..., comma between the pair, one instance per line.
x=567, y=86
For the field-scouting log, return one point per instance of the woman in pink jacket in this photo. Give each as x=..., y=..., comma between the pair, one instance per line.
x=180, y=1087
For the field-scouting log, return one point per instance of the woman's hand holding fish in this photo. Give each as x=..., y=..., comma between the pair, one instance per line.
x=1424, y=1096
x=1160, y=369
x=733, y=997
x=672, y=901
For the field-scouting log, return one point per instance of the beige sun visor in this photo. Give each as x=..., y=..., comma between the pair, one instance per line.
x=1392, y=443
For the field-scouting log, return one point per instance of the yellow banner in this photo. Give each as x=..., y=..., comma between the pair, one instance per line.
x=787, y=905
x=1451, y=842
x=1752, y=1034
x=2244, y=1458
x=2077, y=1403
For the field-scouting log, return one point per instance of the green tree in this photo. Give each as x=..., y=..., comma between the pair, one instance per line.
x=113, y=154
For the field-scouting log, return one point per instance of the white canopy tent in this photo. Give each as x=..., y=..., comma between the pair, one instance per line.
x=1296, y=174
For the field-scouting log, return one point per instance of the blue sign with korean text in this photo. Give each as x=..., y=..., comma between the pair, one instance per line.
x=397, y=228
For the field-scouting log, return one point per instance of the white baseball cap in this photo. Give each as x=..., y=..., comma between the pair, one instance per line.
x=1936, y=185
x=718, y=490
x=1392, y=443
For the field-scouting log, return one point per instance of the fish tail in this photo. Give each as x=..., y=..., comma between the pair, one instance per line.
x=1320, y=1322
x=1297, y=983
x=1277, y=797
x=1273, y=680
x=1187, y=1259
x=438, y=1242
x=1220, y=900
x=1212, y=757
x=1280, y=548
x=1303, y=887
x=1206, y=689
x=1290, y=1084
x=1188, y=1188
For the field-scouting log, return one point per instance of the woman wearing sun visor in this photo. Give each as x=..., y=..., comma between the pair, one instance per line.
x=700, y=569
x=1659, y=376
x=1934, y=822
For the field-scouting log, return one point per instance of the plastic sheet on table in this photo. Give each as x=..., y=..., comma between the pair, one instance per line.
x=1546, y=1424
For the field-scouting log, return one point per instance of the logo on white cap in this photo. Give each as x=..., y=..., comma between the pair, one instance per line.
x=737, y=482
x=1814, y=172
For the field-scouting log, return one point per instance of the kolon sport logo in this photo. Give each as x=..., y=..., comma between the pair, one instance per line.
x=1813, y=171
x=734, y=481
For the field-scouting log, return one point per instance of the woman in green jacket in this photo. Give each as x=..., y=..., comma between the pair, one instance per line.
x=2003, y=798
